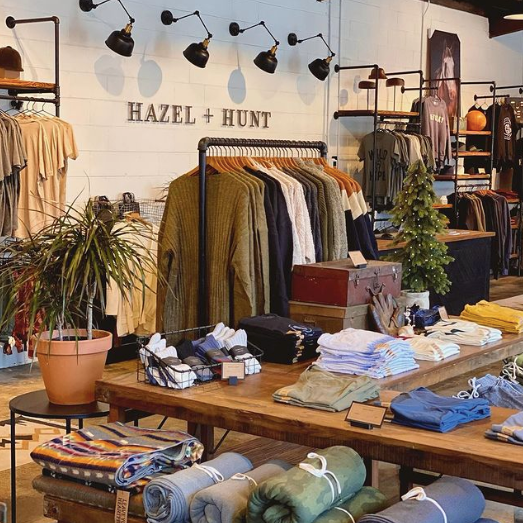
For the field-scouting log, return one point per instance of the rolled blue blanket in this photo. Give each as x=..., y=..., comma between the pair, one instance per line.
x=304, y=492
x=227, y=502
x=166, y=499
x=460, y=499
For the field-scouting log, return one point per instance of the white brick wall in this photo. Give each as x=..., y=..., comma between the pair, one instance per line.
x=117, y=156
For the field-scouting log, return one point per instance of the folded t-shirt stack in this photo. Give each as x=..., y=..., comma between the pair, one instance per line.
x=430, y=349
x=510, y=431
x=365, y=353
x=282, y=340
x=89, y=454
x=493, y=315
x=318, y=389
x=453, y=500
x=498, y=391
x=464, y=332
x=423, y=409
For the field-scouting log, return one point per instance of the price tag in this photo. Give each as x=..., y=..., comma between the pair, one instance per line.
x=444, y=315
x=121, y=509
x=357, y=259
x=366, y=416
x=233, y=369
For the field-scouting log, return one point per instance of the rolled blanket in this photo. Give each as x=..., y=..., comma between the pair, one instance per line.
x=227, y=502
x=367, y=501
x=304, y=492
x=166, y=499
x=460, y=499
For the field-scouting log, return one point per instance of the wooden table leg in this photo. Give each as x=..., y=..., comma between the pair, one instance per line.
x=116, y=414
x=205, y=433
x=405, y=476
x=372, y=478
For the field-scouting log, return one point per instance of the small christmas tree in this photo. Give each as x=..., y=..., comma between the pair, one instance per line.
x=424, y=257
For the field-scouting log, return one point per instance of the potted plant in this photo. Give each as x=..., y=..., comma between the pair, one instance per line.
x=423, y=257
x=55, y=280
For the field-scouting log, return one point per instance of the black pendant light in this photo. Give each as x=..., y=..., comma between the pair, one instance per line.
x=197, y=52
x=121, y=42
x=266, y=60
x=320, y=67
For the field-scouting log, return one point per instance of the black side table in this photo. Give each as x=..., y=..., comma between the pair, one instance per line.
x=37, y=405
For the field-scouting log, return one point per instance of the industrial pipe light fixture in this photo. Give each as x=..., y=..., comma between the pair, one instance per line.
x=121, y=42
x=320, y=67
x=197, y=52
x=266, y=60
x=515, y=15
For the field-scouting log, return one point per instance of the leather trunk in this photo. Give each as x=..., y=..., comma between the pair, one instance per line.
x=341, y=284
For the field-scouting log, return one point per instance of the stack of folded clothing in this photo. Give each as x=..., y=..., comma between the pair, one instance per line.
x=498, y=391
x=167, y=498
x=493, y=315
x=226, y=502
x=464, y=332
x=510, y=431
x=431, y=349
x=174, y=373
x=282, y=340
x=423, y=409
x=319, y=389
x=453, y=500
x=89, y=454
x=365, y=353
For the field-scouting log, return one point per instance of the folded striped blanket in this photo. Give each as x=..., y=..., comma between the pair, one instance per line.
x=305, y=492
x=116, y=454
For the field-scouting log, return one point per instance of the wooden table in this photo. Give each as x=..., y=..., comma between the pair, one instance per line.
x=249, y=408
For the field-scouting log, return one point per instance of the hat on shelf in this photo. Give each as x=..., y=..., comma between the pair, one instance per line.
x=10, y=59
x=365, y=84
x=381, y=74
x=395, y=82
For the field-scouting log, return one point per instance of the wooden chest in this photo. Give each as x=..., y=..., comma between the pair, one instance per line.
x=340, y=284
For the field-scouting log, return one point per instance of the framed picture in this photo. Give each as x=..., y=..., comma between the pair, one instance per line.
x=445, y=62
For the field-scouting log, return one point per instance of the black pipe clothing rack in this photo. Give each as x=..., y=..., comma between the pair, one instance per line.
x=14, y=89
x=217, y=146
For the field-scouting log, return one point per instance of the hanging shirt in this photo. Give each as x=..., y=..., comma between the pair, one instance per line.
x=435, y=124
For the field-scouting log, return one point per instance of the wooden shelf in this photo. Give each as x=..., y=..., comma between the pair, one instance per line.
x=474, y=133
x=25, y=86
x=512, y=200
x=442, y=206
x=460, y=177
x=468, y=154
x=370, y=112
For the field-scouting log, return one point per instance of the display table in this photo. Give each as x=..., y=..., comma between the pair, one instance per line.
x=469, y=272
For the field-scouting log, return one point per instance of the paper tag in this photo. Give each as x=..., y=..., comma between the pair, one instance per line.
x=444, y=315
x=365, y=415
x=121, y=510
x=357, y=259
x=233, y=369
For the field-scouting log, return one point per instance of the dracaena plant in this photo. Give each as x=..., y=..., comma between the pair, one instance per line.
x=63, y=269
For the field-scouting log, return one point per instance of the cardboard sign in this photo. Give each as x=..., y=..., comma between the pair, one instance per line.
x=233, y=369
x=366, y=416
x=121, y=509
x=444, y=315
x=358, y=259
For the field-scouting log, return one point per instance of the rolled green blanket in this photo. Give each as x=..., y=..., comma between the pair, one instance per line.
x=226, y=502
x=367, y=501
x=306, y=491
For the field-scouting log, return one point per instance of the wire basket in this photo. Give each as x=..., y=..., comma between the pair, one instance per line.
x=149, y=209
x=156, y=371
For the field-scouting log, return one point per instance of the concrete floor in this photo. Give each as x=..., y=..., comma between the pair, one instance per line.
x=19, y=380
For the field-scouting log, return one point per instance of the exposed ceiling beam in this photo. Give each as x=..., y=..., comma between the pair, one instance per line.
x=468, y=7
x=500, y=26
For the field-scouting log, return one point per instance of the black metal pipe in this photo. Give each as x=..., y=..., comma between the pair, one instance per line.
x=375, y=145
x=476, y=97
x=338, y=68
x=520, y=87
x=27, y=99
x=486, y=82
x=419, y=71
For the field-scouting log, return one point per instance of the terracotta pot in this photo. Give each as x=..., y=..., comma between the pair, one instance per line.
x=70, y=368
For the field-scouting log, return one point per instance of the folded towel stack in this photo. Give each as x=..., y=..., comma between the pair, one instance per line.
x=167, y=498
x=423, y=409
x=365, y=353
x=282, y=340
x=449, y=499
x=493, y=315
x=430, y=349
x=319, y=389
x=464, y=332
x=510, y=431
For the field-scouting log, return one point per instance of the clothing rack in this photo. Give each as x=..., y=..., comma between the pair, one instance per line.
x=216, y=146
x=16, y=87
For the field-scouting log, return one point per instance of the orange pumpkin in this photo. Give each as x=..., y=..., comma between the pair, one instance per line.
x=476, y=121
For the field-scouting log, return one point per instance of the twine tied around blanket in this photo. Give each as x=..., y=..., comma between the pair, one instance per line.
x=243, y=477
x=214, y=474
x=474, y=391
x=346, y=512
x=419, y=494
x=323, y=473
